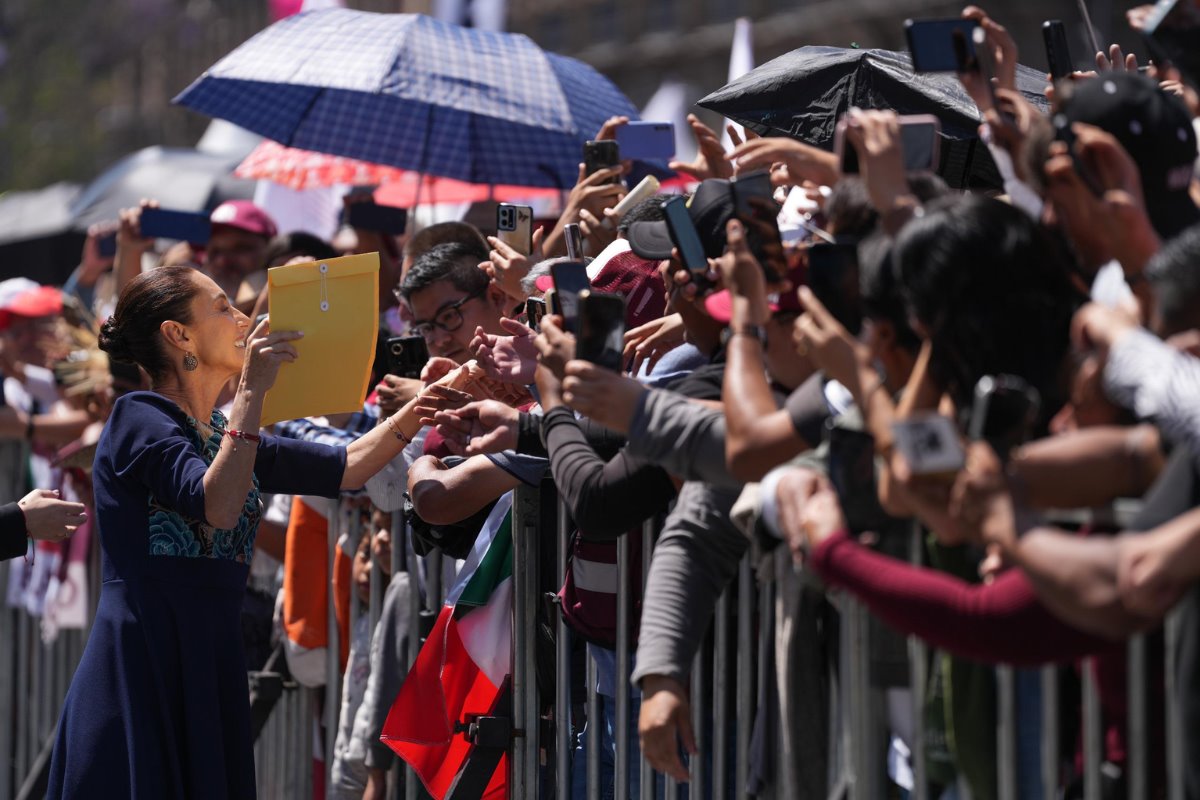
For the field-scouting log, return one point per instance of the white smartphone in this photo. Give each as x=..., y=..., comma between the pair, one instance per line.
x=647, y=187
x=514, y=227
x=930, y=444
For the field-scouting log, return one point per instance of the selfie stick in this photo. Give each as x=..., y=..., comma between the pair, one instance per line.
x=1087, y=20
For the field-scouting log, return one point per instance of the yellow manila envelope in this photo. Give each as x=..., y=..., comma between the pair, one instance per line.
x=336, y=304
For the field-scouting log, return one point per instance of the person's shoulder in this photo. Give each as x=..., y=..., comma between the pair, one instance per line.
x=145, y=412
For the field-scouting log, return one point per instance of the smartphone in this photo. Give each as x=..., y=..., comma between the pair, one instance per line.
x=603, y=154
x=106, y=245
x=570, y=279
x=552, y=304
x=535, y=309
x=1171, y=31
x=940, y=45
x=653, y=141
x=686, y=238
x=1003, y=413
x=573, y=238
x=183, y=226
x=514, y=227
x=601, y=336
x=834, y=278
x=374, y=217
x=1058, y=52
x=407, y=356
x=930, y=444
x=920, y=142
x=852, y=472
x=647, y=187
x=754, y=204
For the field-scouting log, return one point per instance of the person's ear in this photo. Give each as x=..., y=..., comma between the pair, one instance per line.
x=176, y=335
x=497, y=297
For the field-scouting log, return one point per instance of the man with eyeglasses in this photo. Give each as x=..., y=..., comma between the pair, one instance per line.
x=449, y=297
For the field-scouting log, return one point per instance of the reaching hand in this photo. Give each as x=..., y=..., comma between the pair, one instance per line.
x=1152, y=571
x=803, y=162
x=394, y=392
x=129, y=229
x=92, y=265
x=664, y=721
x=554, y=345
x=49, y=519
x=601, y=394
x=809, y=511
x=508, y=359
x=710, y=160
x=646, y=344
x=1003, y=47
x=821, y=337
x=1115, y=60
x=486, y=426
x=876, y=137
x=507, y=267
x=597, y=233
x=1098, y=327
x=981, y=503
x=266, y=352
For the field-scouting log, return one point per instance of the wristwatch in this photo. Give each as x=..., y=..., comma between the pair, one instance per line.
x=753, y=331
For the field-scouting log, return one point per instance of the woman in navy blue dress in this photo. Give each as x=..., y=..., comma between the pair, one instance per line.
x=159, y=706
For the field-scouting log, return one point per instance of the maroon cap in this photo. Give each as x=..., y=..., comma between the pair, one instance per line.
x=245, y=216
x=638, y=281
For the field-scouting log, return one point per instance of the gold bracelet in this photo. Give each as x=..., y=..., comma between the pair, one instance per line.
x=391, y=423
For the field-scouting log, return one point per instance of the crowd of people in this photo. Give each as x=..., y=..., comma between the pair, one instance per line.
x=989, y=357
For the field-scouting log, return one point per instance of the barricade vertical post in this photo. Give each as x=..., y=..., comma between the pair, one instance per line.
x=524, y=684
x=745, y=673
x=720, y=696
x=562, y=667
x=380, y=577
x=648, y=779
x=333, y=683
x=918, y=670
x=862, y=743
x=1174, y=708
x=22, y=700
x=1139, y=728
x=1050, y=766
x=7, y=689
x=594, y=733
x=697, y=764
x=1006, y=733
x=1092, y=732
x=354, y=532
x=621, y=721
x=415, y=604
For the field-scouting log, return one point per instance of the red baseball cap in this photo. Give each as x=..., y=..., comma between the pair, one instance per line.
x=719, y=305
x=21, y=297
x=245, y=216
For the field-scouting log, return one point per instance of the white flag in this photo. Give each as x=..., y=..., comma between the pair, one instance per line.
x=741, y=61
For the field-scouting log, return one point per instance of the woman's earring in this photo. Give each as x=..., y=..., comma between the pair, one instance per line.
x=189, y=362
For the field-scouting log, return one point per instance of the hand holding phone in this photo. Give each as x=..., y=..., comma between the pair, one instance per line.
x=1058, y=51
x=1003, y=413
x=602, y=154
x=686, y=239
x=920, y=142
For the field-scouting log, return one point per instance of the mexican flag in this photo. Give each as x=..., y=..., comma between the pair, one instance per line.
x=462, y=666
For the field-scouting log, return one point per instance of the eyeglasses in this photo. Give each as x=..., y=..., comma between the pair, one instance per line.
x=449, y=318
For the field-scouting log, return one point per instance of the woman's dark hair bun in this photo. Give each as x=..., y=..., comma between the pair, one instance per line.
x=113, y=342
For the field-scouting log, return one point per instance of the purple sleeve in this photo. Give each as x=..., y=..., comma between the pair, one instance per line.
x=292, y=466
x=151, y=446
x=1000, y=622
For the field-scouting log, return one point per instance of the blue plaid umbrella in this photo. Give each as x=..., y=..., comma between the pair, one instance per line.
x=412, y=92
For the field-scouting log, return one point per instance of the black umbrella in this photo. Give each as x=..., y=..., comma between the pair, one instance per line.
x=179, y=178
x=803, y=93
x=36, y=236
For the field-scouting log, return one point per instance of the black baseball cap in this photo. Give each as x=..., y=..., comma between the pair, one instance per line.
x=1155, y=128
x=710, y=208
